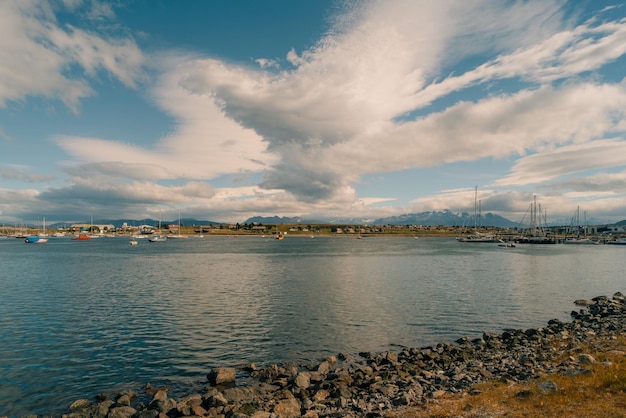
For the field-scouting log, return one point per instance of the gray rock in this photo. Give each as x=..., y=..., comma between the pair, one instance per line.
x=287, y=408
x=583, y=302
x=586, y=359
x=239, y=395
x=222, y=375
x=303, y=380
x=80, y=404
x=160, y=395
x=124, y=400
x=147, y=413
x=324, y=367
x=122, y=412
x=547, y=387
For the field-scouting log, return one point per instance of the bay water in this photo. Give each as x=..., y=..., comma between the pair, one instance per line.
x=82, y=318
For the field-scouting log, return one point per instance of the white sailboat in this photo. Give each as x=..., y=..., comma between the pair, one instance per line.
x=576, y=229
x=158, y=237
x=178, y=235
x=477, y=236
x=537, y=233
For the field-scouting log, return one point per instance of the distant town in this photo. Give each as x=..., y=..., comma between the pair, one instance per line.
x=296, y=227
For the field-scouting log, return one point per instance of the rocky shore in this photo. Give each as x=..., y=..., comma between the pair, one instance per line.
x=375, y=384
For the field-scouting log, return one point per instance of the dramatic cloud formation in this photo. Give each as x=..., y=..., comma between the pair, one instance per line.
x=391, y=86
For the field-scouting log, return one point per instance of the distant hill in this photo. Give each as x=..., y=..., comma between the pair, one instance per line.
x=277, y=220
x=446, y=218
x=435, y=218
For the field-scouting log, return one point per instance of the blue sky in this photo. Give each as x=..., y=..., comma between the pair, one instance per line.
x=321, y=109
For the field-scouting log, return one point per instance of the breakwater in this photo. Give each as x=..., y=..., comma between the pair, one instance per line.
x=373, y=384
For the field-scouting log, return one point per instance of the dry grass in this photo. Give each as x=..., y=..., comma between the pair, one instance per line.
x=601, y=394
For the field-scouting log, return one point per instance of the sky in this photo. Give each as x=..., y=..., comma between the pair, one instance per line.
x=325, y=109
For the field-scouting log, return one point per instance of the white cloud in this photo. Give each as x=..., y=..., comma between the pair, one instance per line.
x=23, y=174
x=267, y=63
x=541, y=167
x=38, y=57
x=498, y=127
x=204, y=145
x=564, y=54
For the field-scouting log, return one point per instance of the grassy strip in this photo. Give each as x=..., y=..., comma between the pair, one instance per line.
x=599, y=392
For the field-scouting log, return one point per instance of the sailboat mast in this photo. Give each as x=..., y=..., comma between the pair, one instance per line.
x=533, y=217
x=475, y=206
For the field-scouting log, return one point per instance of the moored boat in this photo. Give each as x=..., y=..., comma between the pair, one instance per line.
x=82, y=237
x=620, y=241
x=35, y=239
x=581, y=241
x=478, y=237
x=157, y=238
x=178, y=235
x=536, y=233
x=38, y=239
x=502, y=243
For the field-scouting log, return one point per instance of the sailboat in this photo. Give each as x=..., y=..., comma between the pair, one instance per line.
x=38, y=239
x=577, y=239
x=477, y=236
x=536, y=234
x=158, y=237
x=178, y=235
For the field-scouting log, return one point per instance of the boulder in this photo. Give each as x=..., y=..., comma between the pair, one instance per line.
x=221, y=375
x=80, y=404
x=303, y=380
x=287, y=408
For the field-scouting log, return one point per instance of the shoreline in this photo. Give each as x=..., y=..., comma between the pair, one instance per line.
x=378, y=384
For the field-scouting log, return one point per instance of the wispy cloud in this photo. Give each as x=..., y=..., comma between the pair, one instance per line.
x=538, y=168
x=39, y=58
x=21, y=174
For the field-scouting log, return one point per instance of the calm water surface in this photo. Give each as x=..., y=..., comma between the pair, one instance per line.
x=81, y=318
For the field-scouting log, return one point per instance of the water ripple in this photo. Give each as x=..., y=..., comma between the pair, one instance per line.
x=77, y=319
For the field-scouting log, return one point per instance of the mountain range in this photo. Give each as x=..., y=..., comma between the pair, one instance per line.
x=434, y=218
